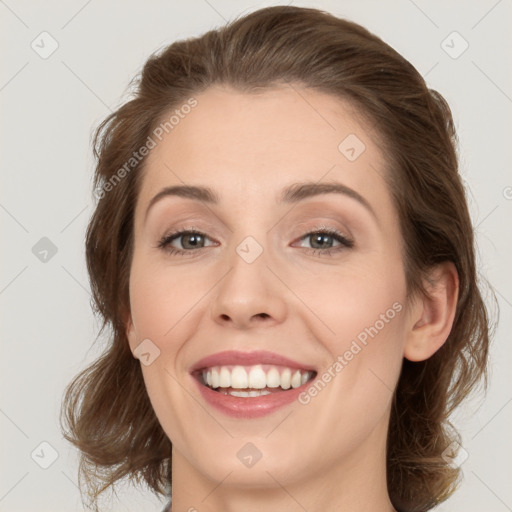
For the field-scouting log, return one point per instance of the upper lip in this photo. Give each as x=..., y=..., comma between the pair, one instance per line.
x=235, y=357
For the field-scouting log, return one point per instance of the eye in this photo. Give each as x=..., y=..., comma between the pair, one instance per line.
x=323, y=241
x=191, y=239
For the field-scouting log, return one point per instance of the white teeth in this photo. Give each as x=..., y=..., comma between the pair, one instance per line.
x=239, y=379
x=215, y=378
x=248, y=393
x=255, y=378
x=273, y=378
x=225, y=378
x=286, y=378
x=295, y=382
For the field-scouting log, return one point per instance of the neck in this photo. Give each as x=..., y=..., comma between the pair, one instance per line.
x=358, y=482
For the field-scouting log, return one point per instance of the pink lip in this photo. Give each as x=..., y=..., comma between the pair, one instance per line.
x=248, y=407
x=234, y=357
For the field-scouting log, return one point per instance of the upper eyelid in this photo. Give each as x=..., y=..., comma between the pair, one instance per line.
x=329, y=230
x=306, y=231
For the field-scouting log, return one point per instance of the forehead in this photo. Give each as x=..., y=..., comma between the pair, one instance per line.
x=255, y=144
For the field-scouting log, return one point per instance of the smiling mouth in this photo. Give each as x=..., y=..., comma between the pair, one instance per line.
x=254, y=380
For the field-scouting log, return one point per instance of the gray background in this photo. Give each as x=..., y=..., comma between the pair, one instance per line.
x=49, y=107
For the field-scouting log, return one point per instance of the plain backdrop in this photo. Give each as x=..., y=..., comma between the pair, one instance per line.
x=49, y=106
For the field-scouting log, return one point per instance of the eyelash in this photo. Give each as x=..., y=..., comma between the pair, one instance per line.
x=345, y=243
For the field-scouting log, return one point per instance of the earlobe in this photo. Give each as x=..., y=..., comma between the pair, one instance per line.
x=432, y=317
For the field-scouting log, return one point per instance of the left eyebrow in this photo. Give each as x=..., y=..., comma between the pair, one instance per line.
x=300, y=191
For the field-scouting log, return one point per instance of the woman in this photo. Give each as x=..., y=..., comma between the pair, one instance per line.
x=283, y=251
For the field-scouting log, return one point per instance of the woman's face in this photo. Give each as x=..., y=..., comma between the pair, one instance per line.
x=280, y=285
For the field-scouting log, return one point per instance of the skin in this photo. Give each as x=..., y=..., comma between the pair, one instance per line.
x=328, y=454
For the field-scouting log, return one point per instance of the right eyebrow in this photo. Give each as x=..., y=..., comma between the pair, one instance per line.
x=204, y=194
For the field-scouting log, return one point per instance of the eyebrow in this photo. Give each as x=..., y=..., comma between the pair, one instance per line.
x=290, y=195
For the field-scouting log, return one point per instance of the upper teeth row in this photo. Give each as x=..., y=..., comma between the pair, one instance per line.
x=254, y=377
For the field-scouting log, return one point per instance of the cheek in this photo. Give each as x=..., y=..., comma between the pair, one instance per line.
x=162, y=304
x=354, y=302
x=362, y=313
x=161, y=301
x=352, y=394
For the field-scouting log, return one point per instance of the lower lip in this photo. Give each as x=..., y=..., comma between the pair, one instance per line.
x=249, y=407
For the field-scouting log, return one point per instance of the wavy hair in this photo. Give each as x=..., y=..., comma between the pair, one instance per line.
x=106, y=412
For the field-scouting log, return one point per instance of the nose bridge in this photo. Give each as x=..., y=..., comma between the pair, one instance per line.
x=249, y=291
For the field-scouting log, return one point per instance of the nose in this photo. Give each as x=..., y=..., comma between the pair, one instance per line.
x=249, y=295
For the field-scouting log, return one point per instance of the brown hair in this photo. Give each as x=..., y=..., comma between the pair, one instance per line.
x=106, y=407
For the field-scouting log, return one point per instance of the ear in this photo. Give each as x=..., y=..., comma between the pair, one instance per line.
x=131, y=334
x=432, y=317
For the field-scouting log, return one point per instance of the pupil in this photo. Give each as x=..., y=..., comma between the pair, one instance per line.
x=192, y=240
x=321, y=239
